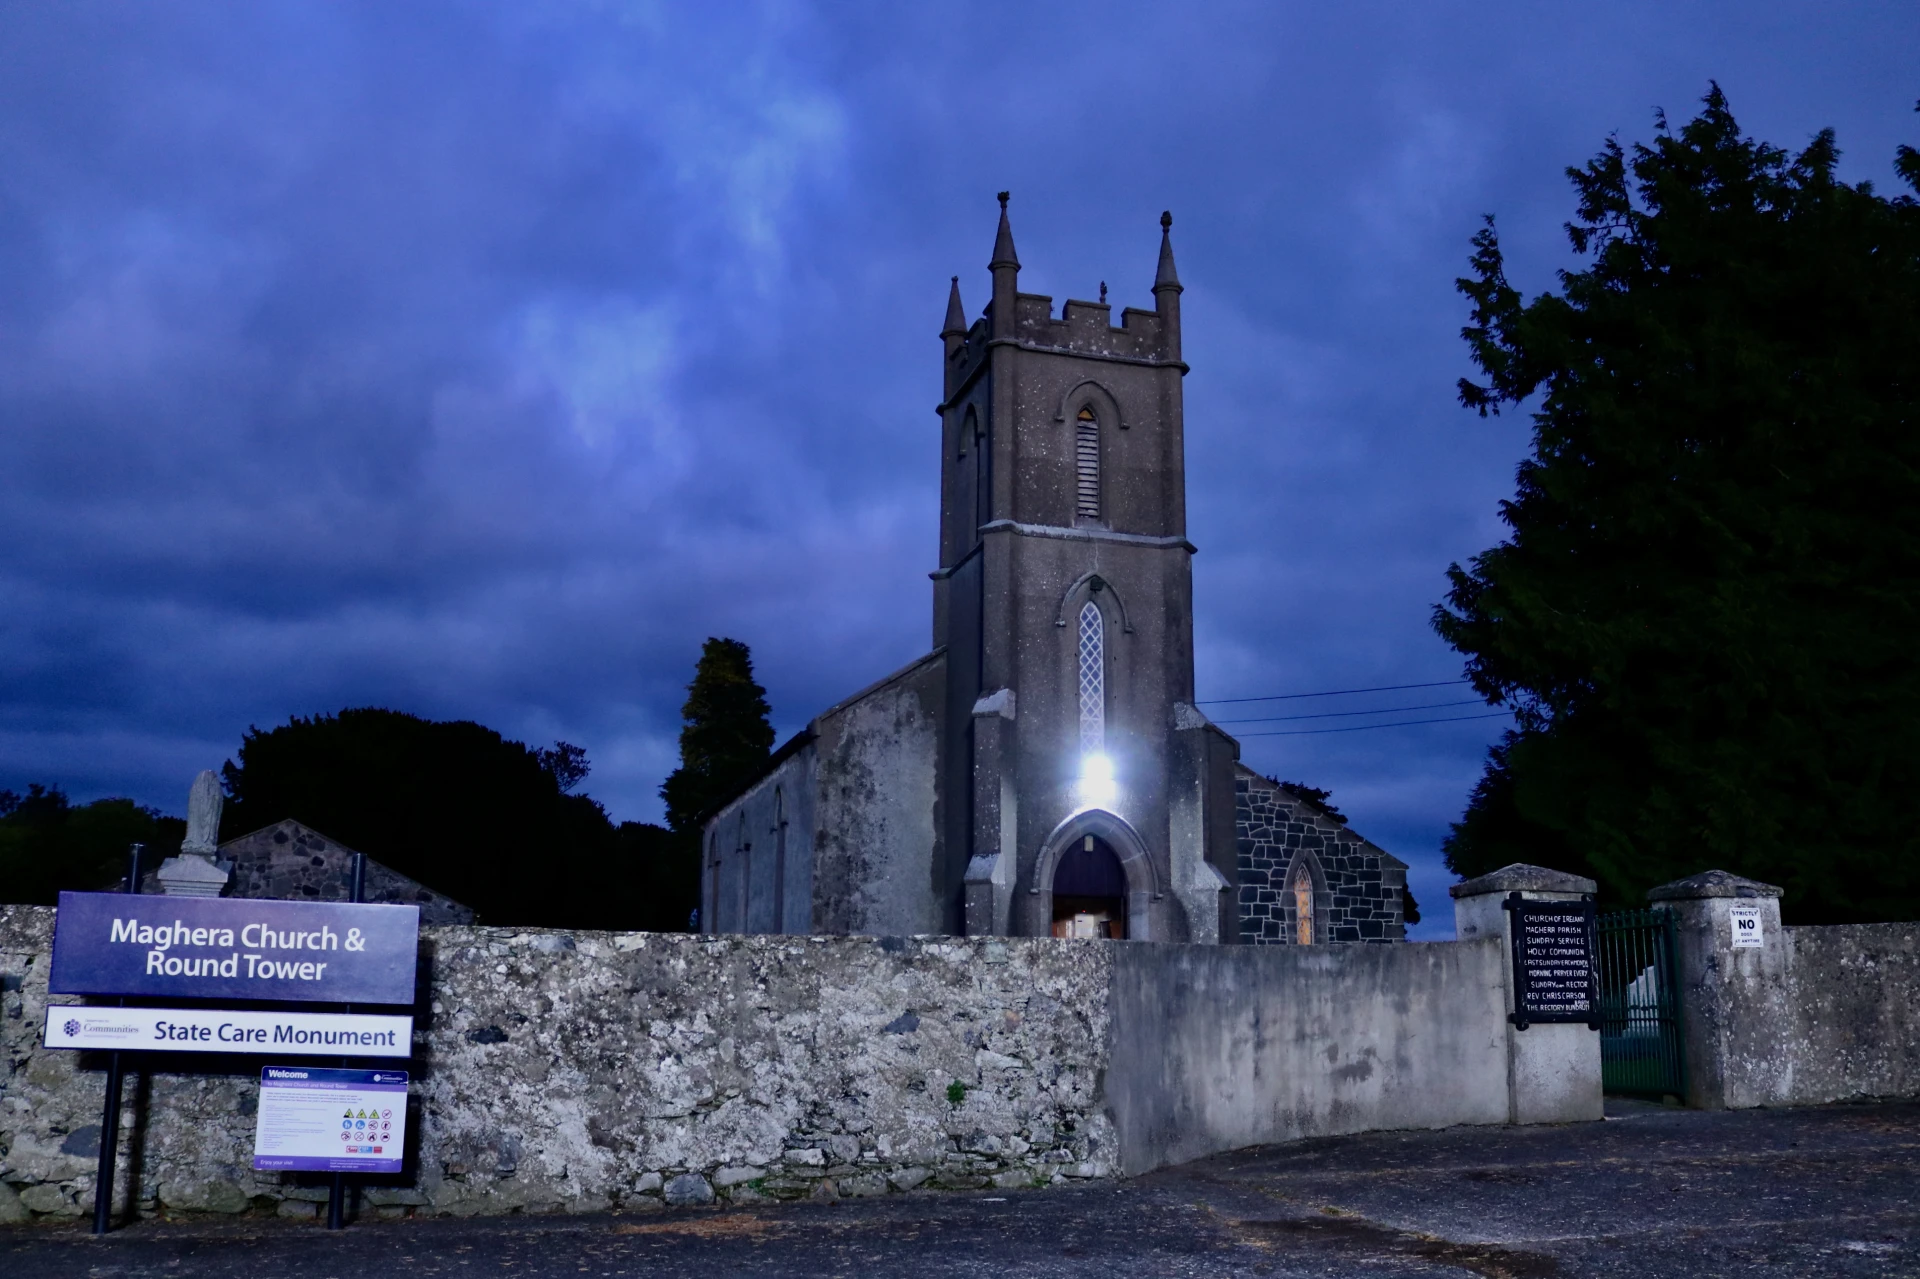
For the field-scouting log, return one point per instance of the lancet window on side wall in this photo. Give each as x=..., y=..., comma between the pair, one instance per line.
x=1301, y=888
x=982, y=472
x=1093, y=680
x=779, y=860
x=1086, y=456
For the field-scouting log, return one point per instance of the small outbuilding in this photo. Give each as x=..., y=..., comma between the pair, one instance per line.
x=290, y=861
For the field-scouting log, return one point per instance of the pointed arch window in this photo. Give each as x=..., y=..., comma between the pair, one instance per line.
x=779, y=860
x=982, y=472
x=1086, y=457
x=745, y=897
x=710, y=916
x=1093, y=680
x=1301, y=889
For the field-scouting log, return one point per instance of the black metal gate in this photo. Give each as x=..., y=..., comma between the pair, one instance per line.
x=1641, y=1053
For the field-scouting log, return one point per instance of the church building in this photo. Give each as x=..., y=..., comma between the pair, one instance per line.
x=1044, y=770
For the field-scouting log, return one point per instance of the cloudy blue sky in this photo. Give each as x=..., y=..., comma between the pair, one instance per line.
x=479, y=360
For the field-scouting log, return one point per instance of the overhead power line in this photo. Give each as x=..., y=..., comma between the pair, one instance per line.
x=1337, y=692
x=1361, y=728
x=1385, y=710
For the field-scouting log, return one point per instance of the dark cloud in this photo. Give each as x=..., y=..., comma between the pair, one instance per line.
x=479, y=361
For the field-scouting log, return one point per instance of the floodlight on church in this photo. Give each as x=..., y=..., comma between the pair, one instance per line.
x=1097, y=786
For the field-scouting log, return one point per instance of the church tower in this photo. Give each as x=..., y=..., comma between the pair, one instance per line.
x=1043, y=770
x=1081, y=794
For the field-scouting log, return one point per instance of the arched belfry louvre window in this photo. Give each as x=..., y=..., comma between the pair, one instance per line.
x=1086, y=456
x=1093, y=680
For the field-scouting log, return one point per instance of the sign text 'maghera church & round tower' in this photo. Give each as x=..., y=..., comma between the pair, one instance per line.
x=1044, y=769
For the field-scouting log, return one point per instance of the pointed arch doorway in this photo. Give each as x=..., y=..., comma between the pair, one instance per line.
x=1089, y=891
x=1111, y=880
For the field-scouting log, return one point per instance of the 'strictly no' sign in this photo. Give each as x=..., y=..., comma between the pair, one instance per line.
x=1744, y=920
x=233, y=948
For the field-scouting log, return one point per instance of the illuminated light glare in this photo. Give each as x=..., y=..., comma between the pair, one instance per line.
x=1096, y=780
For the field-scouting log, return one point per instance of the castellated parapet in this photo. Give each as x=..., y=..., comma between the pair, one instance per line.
x=1082, y=328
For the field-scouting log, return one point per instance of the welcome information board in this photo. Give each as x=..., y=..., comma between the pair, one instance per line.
x=330, y=1120
x=233, y=948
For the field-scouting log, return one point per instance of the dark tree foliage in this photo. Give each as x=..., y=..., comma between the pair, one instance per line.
x=725, y=741
x=1318, y=796
x=726, y=738
x=1705, y=617
x=488, y=821
x=48, y=845
x=567, y=764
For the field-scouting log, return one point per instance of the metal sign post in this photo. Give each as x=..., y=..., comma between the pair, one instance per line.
x=110, y=1110
x=337, y=1191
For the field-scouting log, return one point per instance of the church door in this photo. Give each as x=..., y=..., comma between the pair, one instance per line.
x=1089, y=891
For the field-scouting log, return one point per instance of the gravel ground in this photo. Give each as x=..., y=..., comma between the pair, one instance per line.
x=1652, y=1192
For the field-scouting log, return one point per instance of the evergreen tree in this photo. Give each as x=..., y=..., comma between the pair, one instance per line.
x=48, y=844
x=1704, y=618
x=487, y=820
x=726, y=738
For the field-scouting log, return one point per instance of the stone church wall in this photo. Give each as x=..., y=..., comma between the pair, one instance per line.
x=758, y=878
x=876, y=832
x=1359, y=889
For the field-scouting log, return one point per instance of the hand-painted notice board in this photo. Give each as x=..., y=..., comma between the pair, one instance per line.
x=330, y=1120
x=233, y=948
x=1554, y=978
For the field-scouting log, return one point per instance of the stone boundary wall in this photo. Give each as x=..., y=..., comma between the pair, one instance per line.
x=1255, y=1044
x=583, y=1071
x=1857, y=1003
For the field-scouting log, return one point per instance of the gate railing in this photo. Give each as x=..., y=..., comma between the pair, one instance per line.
x=1641, y=1050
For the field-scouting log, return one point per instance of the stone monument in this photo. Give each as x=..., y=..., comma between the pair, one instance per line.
x=195, y=872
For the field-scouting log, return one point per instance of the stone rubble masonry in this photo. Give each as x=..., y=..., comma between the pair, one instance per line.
x=1359, y=888
x=288, y=861
x=292, y=862
x=584, y=1071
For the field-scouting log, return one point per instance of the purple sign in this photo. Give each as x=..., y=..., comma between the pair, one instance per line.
x=233, y=948
x=316, y=1120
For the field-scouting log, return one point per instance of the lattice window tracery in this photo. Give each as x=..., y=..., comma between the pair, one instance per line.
x=1093, y=680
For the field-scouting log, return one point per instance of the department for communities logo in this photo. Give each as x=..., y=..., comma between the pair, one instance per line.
x=72, y=1027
